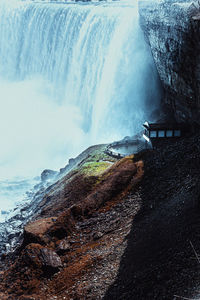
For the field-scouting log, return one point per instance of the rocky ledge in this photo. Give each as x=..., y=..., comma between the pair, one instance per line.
x=114, y=229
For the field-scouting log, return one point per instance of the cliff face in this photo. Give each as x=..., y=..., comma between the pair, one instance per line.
x=172, y=30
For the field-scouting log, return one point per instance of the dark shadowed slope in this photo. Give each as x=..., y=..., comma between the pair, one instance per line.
x=159, y=261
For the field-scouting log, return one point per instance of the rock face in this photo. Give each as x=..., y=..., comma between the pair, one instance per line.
x=172, y=31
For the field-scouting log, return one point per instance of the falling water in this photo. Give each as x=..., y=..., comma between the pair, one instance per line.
x=70, y=75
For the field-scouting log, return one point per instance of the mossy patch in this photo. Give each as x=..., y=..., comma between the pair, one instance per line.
x=100, y=156
x=95, y=168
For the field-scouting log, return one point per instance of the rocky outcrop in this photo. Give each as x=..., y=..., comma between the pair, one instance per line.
x=41, y=258
x=173, y=32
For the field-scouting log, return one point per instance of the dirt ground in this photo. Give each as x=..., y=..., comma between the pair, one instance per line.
x=138, y=240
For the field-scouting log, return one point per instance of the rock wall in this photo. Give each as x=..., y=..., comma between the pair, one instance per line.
x=172, y=31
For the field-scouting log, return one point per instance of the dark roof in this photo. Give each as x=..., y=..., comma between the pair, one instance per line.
x=164, y=126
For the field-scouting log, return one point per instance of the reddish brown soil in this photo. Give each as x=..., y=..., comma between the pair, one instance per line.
x=92, y=227
x=130, y=233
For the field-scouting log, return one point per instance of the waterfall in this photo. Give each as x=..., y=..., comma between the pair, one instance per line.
x=71, y=74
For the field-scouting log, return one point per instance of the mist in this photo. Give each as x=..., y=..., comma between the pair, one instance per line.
x=36, y=132
x=70, y=76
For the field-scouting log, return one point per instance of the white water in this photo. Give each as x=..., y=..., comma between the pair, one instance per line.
x=71, y=75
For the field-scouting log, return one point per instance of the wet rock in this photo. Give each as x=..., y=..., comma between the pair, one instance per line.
x=48, y=174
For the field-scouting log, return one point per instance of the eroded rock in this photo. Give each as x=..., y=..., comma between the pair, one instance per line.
x=41, y=258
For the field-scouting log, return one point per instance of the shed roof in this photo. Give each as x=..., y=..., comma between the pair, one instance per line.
x=164, y=126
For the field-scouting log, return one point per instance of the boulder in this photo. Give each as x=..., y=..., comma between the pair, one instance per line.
x=39, y=257
x=48, y=174
x=50, y=259
x=35, y=232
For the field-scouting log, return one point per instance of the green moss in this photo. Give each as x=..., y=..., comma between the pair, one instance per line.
x=94, y=168
x=99, y=156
